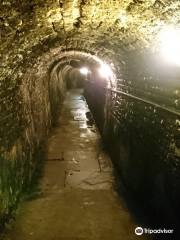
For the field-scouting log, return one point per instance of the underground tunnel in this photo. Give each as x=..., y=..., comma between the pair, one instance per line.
x=89, y=119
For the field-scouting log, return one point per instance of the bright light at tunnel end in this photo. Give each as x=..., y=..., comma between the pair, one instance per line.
x=169, y=39
x=84, y=71
x=105, y=71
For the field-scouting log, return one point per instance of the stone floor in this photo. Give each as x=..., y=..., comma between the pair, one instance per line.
x=78, y=200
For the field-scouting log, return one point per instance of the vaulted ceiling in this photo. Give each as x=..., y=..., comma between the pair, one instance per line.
x=106, y=28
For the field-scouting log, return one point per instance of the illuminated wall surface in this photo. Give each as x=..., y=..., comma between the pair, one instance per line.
x=140, y=40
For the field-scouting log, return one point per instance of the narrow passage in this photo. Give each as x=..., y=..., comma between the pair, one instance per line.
x=77, y=200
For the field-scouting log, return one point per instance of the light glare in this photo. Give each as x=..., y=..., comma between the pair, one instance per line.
x=170, y=44
x=84, y=70
x=105, y=71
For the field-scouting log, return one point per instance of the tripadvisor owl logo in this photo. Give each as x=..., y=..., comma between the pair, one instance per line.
x=139, y=231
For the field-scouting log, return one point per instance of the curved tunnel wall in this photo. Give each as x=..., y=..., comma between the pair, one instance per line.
x=37, y=96
x=143, y=140
x=32, y=108
x=35, y=33
x=127, y=126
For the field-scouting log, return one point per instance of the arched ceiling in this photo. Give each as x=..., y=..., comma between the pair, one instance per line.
x=29, y=28
x=120, y=32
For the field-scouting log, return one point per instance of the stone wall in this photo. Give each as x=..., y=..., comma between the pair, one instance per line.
x=142, y=131
x=35, y=33
x=28, y=111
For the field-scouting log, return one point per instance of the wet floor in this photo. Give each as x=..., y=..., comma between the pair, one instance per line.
x=77, y=200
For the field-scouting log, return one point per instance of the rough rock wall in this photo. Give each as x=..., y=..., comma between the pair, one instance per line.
x=27, y=113
x=143, y=141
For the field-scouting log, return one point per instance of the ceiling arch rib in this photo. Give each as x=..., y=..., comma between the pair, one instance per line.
x=84, y=59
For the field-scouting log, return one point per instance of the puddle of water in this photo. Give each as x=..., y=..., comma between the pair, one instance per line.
x=83, y=125
x=79, y=115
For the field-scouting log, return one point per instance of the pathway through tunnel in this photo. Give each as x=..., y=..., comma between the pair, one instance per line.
x=78, y=199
